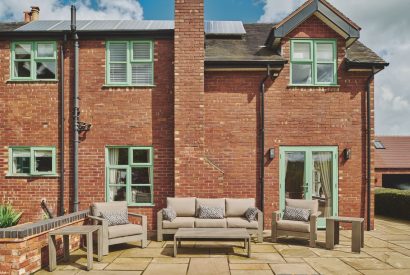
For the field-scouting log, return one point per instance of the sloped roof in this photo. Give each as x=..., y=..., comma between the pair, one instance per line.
x=10, y=26
x=250, y=47
x=396, y=154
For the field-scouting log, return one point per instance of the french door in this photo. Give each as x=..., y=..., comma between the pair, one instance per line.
x=310, y=173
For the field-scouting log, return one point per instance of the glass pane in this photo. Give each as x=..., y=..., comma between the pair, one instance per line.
x=117, y=193
x=140, y=156
x=118, y=156
x=301, y=73
x=22, y=68
x=21, y=161
x=142, y=73
x=117, y=176
x=46, y=70
x=301, y=51
x=295, y=185
x=118, y=73
x=322, y=176
x=141, y=194
x=324, y=52
x=325, y=73
x=118, y=52
x=43, y=160
x=22, y=51
x=141, y=51
x=45, y=50
x=140, y=175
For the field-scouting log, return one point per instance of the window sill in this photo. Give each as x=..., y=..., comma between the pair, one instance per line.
x=314, y=87
x=53, y=81
x=141, y=205
x=32, y=176
x=108, y=86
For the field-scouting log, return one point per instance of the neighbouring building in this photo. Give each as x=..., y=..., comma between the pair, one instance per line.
x=392, y=161
x=188, y=108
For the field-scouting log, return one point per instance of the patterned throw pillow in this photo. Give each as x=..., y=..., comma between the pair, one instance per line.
x=169, y=214
x=251, y=213
x=296, y=214
x=206, y=212
x=115, y=217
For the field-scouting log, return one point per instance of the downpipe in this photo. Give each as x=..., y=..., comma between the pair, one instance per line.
x=62, y=120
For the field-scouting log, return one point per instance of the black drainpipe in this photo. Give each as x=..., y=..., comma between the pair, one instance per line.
x=369, y=181
x=62, y=119
x=76, y=105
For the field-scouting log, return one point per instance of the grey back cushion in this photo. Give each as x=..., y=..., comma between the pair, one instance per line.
x=98, y=207
x=238, y=207
x=210, y=203
x=183, y=207
x=312, y=205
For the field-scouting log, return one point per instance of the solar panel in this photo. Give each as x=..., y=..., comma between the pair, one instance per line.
x=211, y=27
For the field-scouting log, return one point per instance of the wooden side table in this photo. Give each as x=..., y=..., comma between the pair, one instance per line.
x=332, y=232
x=86, y=230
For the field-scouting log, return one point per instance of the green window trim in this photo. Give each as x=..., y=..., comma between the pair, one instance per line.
x=313, y=61
x=128, y=170
x=34, y=59
x=129, y=62
x=32, y=163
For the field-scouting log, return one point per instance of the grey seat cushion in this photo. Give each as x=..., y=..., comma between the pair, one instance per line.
x=179, y=222
x=238, y=222
x=124, y=230
x=184, y=207
x=98, y=207
x=238, y=207
x=313, y=205
x=295, y=226
x=210, y=203
x=210, y=223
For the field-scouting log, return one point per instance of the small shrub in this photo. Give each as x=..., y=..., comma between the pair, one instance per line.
x=8, y=216
x=392, y=203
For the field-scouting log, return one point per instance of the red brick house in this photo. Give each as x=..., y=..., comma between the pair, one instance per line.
x=188, y=108
x=392, y=161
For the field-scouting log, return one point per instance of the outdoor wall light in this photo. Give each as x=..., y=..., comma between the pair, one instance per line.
x=347, y=153
x=271, y=153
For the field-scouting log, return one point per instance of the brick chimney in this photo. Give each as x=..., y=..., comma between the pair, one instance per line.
x=32, y=15
x=189, y=96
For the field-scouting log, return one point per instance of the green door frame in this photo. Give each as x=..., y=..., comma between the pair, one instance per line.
x=308, y=150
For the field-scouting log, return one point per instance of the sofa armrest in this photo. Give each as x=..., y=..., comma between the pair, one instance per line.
x=313, y=221
x=99, y=220
x=276, y=215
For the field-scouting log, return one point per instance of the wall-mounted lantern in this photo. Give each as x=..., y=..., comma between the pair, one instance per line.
x=347, y=153
x=271, y=153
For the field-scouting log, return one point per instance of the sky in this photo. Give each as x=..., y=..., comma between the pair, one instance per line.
x=385, y=29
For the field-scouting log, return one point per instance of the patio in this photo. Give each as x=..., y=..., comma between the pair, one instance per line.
x=386, y=251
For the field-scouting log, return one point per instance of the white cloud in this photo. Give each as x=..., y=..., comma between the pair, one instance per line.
x=54, y=9
x=385, y=29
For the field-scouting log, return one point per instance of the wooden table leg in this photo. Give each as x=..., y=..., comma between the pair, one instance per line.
x=337, y=232
x=100, y=244
x=66, y=244
x=89, y=250
x=52, y=253
x=249, y=247
x=356, y=236
x=330, y=231
x=175, y=246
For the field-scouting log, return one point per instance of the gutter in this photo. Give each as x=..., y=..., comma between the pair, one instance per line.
x=76, y=111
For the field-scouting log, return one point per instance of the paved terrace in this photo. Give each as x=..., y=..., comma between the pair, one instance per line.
x=386, y=252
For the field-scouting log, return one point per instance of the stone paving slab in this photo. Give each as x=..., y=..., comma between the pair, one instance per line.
x=386, y=252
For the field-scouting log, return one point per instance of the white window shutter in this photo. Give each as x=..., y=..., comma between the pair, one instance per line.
x=141, y=51
x=142, y=74
x=118, y=62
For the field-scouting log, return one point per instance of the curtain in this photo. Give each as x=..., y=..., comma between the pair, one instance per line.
x=114, y=173
x=324, y=165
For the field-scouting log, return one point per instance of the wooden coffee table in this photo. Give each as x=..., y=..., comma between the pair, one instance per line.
x=211, y=234
x=332, y=232
x=86, y=230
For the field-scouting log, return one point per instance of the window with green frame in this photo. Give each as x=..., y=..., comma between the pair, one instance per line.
x=32, y=161
x=33, y=60
x=313, y=62
x=130, y=63
x=129, y=174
